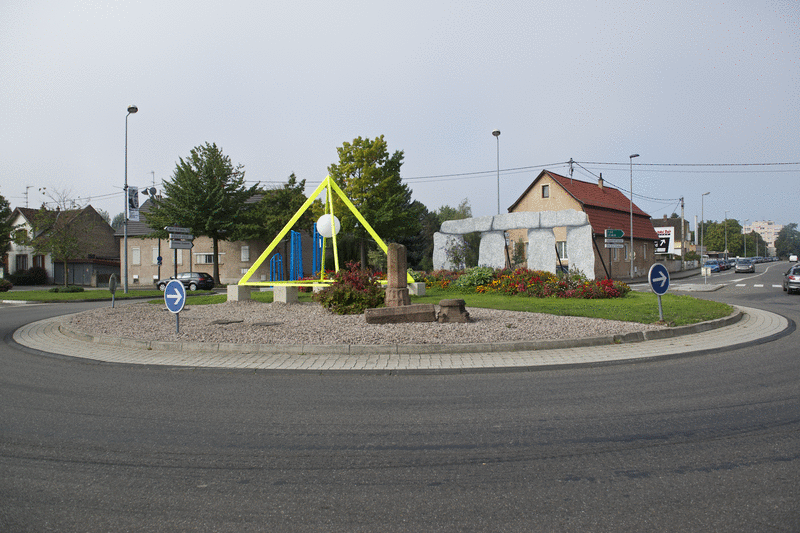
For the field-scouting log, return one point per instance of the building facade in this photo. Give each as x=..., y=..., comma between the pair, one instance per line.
x=606, y=208
x=768, y=231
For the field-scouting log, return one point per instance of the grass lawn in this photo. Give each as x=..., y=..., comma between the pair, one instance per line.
x=639, y=307
x=635, y=307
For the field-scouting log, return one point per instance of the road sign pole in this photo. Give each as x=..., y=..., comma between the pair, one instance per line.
x=660, y=310
x=178, y=318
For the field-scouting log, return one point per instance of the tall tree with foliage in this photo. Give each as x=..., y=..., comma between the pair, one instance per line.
x=206, y=194
x=370, y=177
x=788, y=241
x=5, y=225
x=275, y=208
x=468, y=254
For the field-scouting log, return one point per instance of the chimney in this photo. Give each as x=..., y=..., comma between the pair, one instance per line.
x=600, y=181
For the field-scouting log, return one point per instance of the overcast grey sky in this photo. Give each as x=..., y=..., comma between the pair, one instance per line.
x=280, y=85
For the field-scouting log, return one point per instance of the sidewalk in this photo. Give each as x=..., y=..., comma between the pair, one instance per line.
x=746, y=326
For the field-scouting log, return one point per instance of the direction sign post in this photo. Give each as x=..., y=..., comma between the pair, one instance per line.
x=175, y=299
x=659, y=282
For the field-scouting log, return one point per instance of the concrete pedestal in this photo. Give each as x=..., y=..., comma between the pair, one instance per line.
x=237, y=293
x=284, y=294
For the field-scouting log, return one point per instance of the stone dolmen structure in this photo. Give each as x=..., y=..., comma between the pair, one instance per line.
x=541, y=239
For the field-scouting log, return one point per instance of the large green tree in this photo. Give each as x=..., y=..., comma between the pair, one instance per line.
x=275, y=208
x=471, y=240
x=715, y=233
x=5, y=226
x=207, y=194
x=788, y=241
x=370, y=177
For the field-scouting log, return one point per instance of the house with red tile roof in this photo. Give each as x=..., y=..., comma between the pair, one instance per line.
x=606, y=208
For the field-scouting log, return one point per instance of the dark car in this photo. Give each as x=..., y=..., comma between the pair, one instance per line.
x=745, y=265
x=190, y=280
x=791, y=280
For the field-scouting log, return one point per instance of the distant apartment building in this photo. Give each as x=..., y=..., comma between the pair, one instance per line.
x=768, y=231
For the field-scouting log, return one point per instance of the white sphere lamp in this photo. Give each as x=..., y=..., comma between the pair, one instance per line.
x=324, y=226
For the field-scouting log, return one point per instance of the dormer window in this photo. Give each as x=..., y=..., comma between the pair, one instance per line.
x=545, y=191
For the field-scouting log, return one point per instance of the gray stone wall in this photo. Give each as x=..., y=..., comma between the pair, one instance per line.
x=541, y=239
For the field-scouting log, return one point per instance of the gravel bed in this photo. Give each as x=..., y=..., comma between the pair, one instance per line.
x=248, y=322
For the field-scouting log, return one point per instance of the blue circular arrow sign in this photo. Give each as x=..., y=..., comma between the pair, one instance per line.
x=175, y=296
x=659, y=278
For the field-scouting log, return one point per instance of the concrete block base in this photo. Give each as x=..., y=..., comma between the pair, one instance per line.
x=237, y=293
x=284, y=294
x=398, y=315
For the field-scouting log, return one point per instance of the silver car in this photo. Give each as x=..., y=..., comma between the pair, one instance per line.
x=791, y=280
x=745, y=265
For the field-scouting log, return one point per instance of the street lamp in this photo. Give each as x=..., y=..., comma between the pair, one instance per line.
x=131, y=109
x=744, y=236
x=726, y=235
x=702, y=224
x=631, y=207
x=496, y=134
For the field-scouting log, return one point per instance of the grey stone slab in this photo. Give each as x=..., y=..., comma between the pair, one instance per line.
x=571, y=217
x=542, y=250
x=492, y=251
x=442, y=242
x=580, y=250
x=548, y=219
x=466, y=225
x=521, y=220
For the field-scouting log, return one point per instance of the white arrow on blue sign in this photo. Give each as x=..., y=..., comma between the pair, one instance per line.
x=659, y=278
x=175, y=296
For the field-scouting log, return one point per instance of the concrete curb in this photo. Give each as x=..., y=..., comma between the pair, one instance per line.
x=402, y=349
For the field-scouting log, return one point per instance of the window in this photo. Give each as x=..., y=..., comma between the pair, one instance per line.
x=625, y=254
x=180, y=256
x=644, y=252
x=136, y=256
x=38, y=261
x=204, y=259
x=245, y=254
x=545, y=191
x=155, y=255
x=22, y=262
x=243, y=271
x=561, y=246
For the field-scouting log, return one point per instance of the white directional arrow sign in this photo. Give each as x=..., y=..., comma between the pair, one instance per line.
x=175, y=296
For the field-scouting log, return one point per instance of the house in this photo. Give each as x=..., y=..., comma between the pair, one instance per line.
x=96, y=254
x=606, y=208
x=235, y=257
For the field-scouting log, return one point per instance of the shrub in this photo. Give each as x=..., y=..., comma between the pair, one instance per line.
x=38, y=275
x=68, y=288
x=352, y=291
x=474, y=276
x=5, y=285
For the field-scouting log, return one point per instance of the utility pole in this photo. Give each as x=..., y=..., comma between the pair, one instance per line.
x=683, y=237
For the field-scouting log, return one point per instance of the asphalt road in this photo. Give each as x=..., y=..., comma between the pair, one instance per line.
x=707, y=443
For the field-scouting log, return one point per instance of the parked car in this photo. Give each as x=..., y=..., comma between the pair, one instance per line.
x=713, y=265
x=745, y=265
x=791, y=280
x=190, y=280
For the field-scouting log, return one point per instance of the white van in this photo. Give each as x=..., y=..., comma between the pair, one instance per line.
x=793, y=258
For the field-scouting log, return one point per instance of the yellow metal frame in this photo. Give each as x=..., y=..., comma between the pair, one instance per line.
x=329, y=186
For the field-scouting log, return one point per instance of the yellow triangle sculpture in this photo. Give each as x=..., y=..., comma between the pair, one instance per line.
x=330, y=187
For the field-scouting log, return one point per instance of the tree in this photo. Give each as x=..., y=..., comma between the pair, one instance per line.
x=206, y=194
x=715, y=237
x=275, y=208
x=5, y=226
x=118, y=221
x=419, y=247
x=788, y=241
x=370, y=178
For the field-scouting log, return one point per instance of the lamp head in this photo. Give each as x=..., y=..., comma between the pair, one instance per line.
x=496, y=133
x=633, y=155
x=132, y=109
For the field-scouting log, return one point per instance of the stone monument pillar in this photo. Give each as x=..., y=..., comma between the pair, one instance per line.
x=396, y=276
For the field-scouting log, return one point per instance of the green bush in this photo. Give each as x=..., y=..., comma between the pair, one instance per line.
x=473, y=277
x=38, y=275
x=352, y=291
x=5, y=285
x=68, y=288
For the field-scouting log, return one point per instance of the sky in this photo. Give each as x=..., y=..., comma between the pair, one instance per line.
x=708, y=93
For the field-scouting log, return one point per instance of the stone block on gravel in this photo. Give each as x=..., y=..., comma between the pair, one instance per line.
x=399, y=315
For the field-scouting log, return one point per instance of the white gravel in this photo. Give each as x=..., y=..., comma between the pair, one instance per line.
x=249, y=322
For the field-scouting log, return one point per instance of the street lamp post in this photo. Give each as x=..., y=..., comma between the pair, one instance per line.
x=703, y=224
x=744, y=236
x=726, y=235
x=496, y=134
x=631, y=208
x=131, y=109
